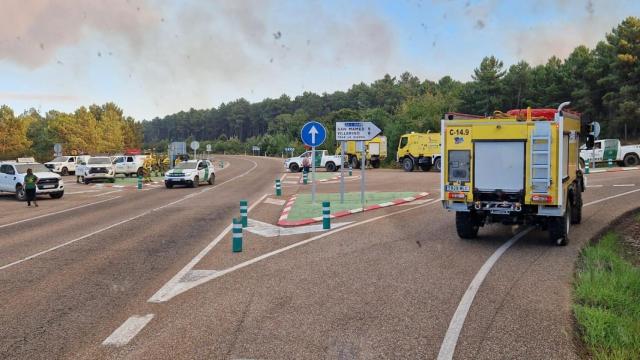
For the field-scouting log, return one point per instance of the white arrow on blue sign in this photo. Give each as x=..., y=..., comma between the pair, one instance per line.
x=313, y=133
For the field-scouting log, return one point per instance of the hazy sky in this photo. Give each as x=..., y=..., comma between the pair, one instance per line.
x=156, y=57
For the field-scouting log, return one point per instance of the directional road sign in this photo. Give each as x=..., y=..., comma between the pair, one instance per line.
x=195, y=145
x=313, y=133
x=57, y=148
x=356, y=130
x=208, y=147
x=255, y=148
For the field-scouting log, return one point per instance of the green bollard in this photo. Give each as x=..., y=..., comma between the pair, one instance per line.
x=350, y=170
x=278, y=188
x=237, y=235
x=609, y=163
x=586, y=167
x=326, y=220
x=139, y=182
x=243, y=213
x=305, y=177
x=221, y=164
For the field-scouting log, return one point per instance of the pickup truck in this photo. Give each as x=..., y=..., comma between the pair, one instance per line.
x=66, y=165
x=130, y=165
x=603, y=150
x=96, y=168
x=12, y=179
x=323, y=159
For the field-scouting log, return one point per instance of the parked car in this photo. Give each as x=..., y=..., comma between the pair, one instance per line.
x=96, y=168
x=190, y=173
x=12, y=175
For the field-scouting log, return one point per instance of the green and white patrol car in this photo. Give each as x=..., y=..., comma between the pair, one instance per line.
x=190, y=173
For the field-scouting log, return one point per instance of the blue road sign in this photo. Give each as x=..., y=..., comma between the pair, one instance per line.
x=313, y=133
x=289, y=149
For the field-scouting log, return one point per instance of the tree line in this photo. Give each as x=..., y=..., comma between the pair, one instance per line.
x=93, y=130
x=602, y=83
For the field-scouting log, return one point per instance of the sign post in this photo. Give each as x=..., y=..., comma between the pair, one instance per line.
x=359, y=131
x=208, y=151
x=313, y=134
x=194, y=146
x=57, y=149
x=343, y=144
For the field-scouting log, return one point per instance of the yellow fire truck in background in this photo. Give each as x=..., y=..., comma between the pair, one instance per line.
x=515, y=168
x=376, y=152
x=419, y=149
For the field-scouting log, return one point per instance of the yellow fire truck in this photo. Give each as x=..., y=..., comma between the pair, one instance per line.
x=419, y=149
x=376, y=152
x=515, y=168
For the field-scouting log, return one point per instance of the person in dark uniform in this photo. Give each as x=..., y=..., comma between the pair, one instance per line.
x=30, y=181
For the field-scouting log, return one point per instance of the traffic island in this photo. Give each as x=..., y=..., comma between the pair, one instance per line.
x=300, y=210
x=322, y=177
x=607, y=290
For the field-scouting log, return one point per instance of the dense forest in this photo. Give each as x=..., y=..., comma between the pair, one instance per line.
x=602, y=83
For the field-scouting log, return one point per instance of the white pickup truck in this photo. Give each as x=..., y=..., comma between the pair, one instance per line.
x=66, y=165
x=323, y=159
x=96, y=168
x=130, y=165
x=12, y=179
x=603, y=150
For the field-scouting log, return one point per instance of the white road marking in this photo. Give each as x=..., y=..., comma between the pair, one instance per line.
x=108, y=192
x=457, y=321
x=273, y=201
x=594, y=186
x=290, y=182
x=268, y=230
x=611, y=197
x=624, y=185
x=120, y=222
x=128, y=330
x=455, y=326
x=80, y=192
x=175, y=286
x=58, y=212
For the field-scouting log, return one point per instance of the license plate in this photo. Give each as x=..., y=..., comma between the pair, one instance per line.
x=48, y=186
x=456, y=188
x=500, y=212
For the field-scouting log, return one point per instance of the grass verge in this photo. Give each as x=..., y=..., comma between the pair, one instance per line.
x=304, y=209
x=607, y=301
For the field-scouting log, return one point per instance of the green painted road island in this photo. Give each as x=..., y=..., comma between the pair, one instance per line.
x=304, y=209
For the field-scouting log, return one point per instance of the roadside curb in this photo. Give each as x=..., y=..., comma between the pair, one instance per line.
x=592, y=171
x=287, y=208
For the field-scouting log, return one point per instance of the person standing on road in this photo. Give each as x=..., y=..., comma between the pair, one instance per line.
x=306, y=164
x=30, y=181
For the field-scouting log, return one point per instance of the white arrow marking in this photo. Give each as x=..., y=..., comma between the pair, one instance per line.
x=313, y=132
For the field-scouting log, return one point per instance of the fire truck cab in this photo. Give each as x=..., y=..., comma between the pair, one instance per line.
x=515, y=168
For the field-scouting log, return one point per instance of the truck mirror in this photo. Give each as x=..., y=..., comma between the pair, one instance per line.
x=591, y=141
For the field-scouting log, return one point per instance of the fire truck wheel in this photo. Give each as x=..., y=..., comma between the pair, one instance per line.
x=576, y=213
x=437, y=165
x=559, y=228
x=407, y=164
x=467, y=224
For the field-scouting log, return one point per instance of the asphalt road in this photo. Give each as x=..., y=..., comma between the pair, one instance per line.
x=385, y=286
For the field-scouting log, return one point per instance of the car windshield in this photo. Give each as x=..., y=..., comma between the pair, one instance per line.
x=22, y=168
x=99, y=160
x=59, y=159
x=186, y=165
